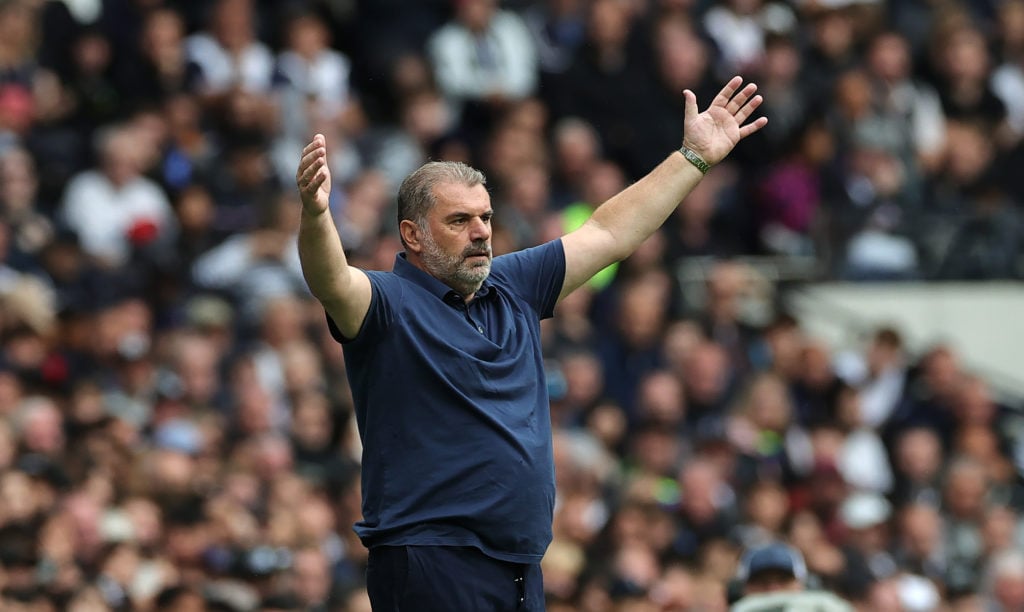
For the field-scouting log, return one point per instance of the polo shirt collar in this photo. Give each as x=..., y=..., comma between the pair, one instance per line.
x=409, y=272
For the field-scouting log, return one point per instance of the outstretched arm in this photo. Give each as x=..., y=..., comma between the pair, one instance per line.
x=343, y=290
x=620, y=225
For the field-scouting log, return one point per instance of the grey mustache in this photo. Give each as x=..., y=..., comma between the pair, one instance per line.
x=477, y=251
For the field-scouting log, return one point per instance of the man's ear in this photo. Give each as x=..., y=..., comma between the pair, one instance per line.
x=410, y=232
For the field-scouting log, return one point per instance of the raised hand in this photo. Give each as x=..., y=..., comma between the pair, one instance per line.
x=313, y=177
x=713, y=133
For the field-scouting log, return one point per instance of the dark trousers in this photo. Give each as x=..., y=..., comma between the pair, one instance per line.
x=450, y=579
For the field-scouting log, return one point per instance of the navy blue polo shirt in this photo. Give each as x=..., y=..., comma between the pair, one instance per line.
x=452, y=408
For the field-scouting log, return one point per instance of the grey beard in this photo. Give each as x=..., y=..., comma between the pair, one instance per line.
x=454, y=270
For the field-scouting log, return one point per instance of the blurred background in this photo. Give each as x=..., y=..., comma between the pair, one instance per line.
x=821, y=346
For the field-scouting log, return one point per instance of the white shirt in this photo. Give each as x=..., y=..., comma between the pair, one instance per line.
x=864, y=463
x=252, y=70
x=741, y=37
x=326, y=77
x=502, y=60
x=1008, y=84
x=233, y=266
x=103, y=215
x=878, y=397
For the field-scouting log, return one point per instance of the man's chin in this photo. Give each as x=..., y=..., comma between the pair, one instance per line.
x=476, y=275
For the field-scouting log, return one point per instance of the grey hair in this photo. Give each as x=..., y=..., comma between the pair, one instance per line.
x=416, y=195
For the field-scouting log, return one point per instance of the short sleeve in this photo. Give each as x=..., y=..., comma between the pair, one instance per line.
x=386, y=292
x=536, y=275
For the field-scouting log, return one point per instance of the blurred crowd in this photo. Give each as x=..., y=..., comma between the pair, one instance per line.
x=175, y=424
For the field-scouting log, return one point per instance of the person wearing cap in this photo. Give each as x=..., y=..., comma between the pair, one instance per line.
x=772, y=568
x=773, y=578
x=444, y=359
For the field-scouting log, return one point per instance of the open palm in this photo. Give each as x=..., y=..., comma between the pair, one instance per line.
x=313, y=177
x=713, y=133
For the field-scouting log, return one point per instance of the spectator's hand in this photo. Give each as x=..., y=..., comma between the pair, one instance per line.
x=314, y=177
x=713, y=133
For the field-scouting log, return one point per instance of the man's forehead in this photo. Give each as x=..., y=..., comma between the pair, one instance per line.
x=452, y=197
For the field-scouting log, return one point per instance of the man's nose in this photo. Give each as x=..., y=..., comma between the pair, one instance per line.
x=479, y=229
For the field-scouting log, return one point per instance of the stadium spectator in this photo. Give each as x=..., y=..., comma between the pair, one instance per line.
x=771, y=568
x=229, y=55
x=484, y=59
x=316, y=95
x=114, y=208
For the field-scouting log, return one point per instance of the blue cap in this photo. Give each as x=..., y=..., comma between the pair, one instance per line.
x=776, y=556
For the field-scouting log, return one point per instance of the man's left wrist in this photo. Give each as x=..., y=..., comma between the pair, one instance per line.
x=695, y=158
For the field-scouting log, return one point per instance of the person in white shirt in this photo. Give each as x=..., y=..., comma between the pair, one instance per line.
x=258, y=266
x=228, y=53
x=484, y=55
x=114, y=208
x=314, y=95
